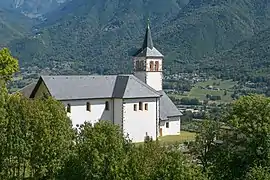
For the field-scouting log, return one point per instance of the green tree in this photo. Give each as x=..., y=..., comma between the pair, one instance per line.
x=258, y=173
x=8, y=65
x=3, y=140
x=250, y=116
x=37, y=138
x=173, y=164
x=100, y=153
x=244, y=144
x=205, y=143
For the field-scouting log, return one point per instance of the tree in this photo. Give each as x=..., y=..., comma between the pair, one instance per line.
x=3, y=140
x=245, y=143
x=172, y=164
x=204, y=146
x=8, y=65
x=37, y=138
x=258, y=173
x=100, y=153
x=250, y=116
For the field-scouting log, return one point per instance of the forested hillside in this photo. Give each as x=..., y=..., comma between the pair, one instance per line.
x=247, y=61
x=12, y=25
x=99, y=35
x=31, y=8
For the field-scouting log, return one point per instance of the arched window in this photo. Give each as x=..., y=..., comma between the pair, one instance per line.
x=146, y=106
x=151, y=65
x=142, y=65
x=137, y=65
x=135, y=107
x=88, y=106
x=68, y=108
x=140, y=106
x=156, y=66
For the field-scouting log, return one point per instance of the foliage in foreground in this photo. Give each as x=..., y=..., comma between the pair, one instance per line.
x=102, y=152
x=35, y=138
x=38, y=142
x=242, y=149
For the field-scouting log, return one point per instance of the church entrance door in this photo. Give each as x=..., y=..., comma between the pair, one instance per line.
x=160, y=131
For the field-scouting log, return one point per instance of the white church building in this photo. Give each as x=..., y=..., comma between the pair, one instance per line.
x=135, y=102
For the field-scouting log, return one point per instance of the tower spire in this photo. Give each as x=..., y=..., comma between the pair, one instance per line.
x=147, y=49
x=148, y=41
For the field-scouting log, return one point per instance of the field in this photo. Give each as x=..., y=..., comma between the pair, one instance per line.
x=200, y=90
x=184, y=136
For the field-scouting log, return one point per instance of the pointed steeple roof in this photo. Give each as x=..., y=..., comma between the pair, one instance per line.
x=148, y=42
x=148, y=49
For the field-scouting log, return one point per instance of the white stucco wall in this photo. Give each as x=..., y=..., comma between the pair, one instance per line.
x=174, y=126
x=138, y=123
x=79, y=114
x=154, y=79
x=135, y=123
x=118, y=112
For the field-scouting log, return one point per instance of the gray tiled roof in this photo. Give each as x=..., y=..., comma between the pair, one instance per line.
x=167, y=107
x=147, y=52
x=89, y=87
x=27, y=90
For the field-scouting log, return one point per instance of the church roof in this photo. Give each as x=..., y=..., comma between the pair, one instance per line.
x=167, y=107
x=148, y=49
x=95, y=87
x=27, y=90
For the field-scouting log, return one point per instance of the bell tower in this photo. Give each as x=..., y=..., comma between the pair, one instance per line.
x=148, y=62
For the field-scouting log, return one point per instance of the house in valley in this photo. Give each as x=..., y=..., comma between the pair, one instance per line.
x=136, y=102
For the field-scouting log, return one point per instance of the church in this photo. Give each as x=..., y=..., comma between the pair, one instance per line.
x=136, y=102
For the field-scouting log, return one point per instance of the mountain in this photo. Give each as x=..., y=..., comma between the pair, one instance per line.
x=13, y=25
x=98, y=36
x=32, y=8
x=248, y=60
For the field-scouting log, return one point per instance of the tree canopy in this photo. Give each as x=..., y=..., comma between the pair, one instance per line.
x=8, y=65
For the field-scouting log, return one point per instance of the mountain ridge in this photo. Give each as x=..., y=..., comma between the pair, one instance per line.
x=32, y=8
x=99, y=36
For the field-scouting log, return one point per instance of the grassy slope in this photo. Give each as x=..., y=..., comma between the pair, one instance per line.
x=197, y=92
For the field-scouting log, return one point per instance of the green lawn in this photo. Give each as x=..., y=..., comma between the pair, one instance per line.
x=184, y=136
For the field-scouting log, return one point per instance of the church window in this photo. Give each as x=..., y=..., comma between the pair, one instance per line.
x=151, y=65
x=88, y=106
x=141, y=65
x=140, y=106
x=135, y=107
x=156, y=66
x=137, y=65
x=107, y=108
x=167, y=125
x=146, y=106
x=68, y=108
